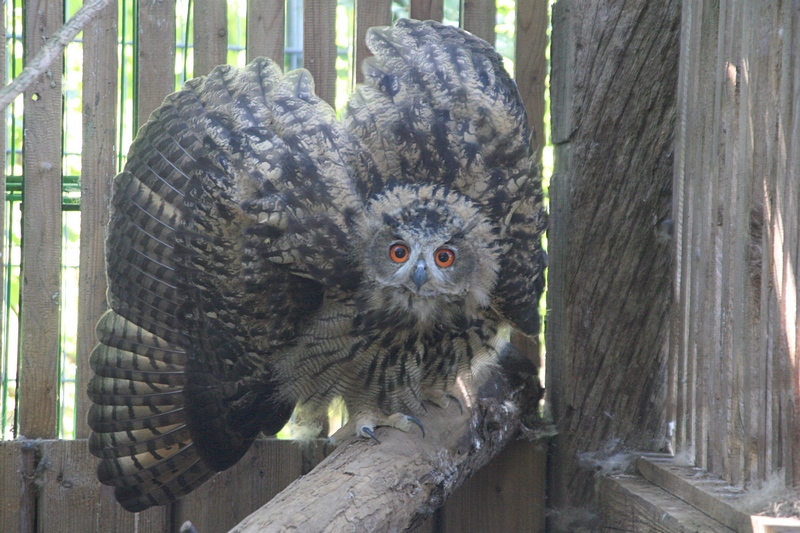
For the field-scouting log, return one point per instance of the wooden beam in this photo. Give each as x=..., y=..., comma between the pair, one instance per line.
x=396, y=484
x=609, y=272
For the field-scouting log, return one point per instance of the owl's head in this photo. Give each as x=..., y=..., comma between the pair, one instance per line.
x=428, y=254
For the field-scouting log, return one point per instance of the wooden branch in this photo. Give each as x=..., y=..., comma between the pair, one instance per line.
x=395, y=485
x=55, y=44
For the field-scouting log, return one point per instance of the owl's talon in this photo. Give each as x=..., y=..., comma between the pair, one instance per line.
x=368, y=431
x=458, y=402
x=417, y=422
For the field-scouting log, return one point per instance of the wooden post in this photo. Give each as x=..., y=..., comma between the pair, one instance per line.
x=369, y=13
x=319, y=47
x=156, y=56
x=613, y=106
x=210, y=35
x=98, y=166
x=265, y=29
x=39, y=379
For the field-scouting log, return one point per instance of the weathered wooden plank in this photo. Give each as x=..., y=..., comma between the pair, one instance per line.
x=263, y=472
x=508, y=494
x=368, y=13
x=319, y=46
x=710, y=494
x=265, y=29
x=530, y=69
x=631, y=503
x=17, y=490
x=41, y=229
x=71, y=498
x=210, y=35
x=478, y=18
x=98, y=166
x=607, y=328
x=155, y=66
x=427, y=10
x=787, y=221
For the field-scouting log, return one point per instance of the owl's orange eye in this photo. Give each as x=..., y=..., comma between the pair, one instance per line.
x=444, y=257
x=398, y=253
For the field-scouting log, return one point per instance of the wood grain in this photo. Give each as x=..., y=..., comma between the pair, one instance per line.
x=609, y=272
x=98, y=166
x=71, y=499
x=265, y=29
x=210, y=35
x=155, y=67
x=319, y=46
x=530, y=68
x=263, y=472
x=427, y=10
x=478, y=18
x=631, y=503
x=369, y=13
x=733, y=350
x=41, y=232
x=396, y=484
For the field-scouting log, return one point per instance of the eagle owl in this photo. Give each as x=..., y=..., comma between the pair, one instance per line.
x=264, y=257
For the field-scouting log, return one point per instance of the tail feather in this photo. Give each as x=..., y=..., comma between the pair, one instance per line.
x=138, y=420
x=139, y=497
x=120, y=443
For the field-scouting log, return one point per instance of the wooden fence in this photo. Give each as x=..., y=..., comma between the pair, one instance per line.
x=734, y=381
x=48, y=484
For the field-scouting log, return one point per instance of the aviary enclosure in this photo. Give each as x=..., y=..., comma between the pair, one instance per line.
x=672, y=373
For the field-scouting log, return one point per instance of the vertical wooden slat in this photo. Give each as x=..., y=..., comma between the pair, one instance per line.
x=210, y=35
x=531, y=64
x=478, y=18
x=41, y=232
x=266, y=22
x=369, y=13
x=429, y=9
x=319, y=46
x=71, y=498
x=17, y=500
x=790, y=218
x=230, y=496
x=735, y=327
x=98, y=166
x=155, y=56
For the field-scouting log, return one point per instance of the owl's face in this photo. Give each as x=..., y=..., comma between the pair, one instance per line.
x=428, y=253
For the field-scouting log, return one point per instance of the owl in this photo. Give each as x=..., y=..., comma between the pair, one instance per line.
x=265, y=257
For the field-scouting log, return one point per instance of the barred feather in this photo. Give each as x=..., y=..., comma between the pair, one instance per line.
x=248, y=255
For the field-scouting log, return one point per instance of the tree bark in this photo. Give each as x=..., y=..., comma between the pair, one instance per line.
x=614, y=78
x=397, y=484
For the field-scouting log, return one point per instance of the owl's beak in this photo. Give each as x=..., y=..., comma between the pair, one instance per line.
x=420, y=275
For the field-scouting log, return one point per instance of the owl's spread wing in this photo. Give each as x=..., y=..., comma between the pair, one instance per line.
x=228, y=225
x=438, y=107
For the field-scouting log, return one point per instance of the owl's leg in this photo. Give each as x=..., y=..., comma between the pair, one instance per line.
x=363, y=425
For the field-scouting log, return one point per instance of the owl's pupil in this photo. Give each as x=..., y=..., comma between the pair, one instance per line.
x=399, y=252
x=444, y=257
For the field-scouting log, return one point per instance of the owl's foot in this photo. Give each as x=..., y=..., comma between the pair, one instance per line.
x=442, y=398
x=364, y=424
